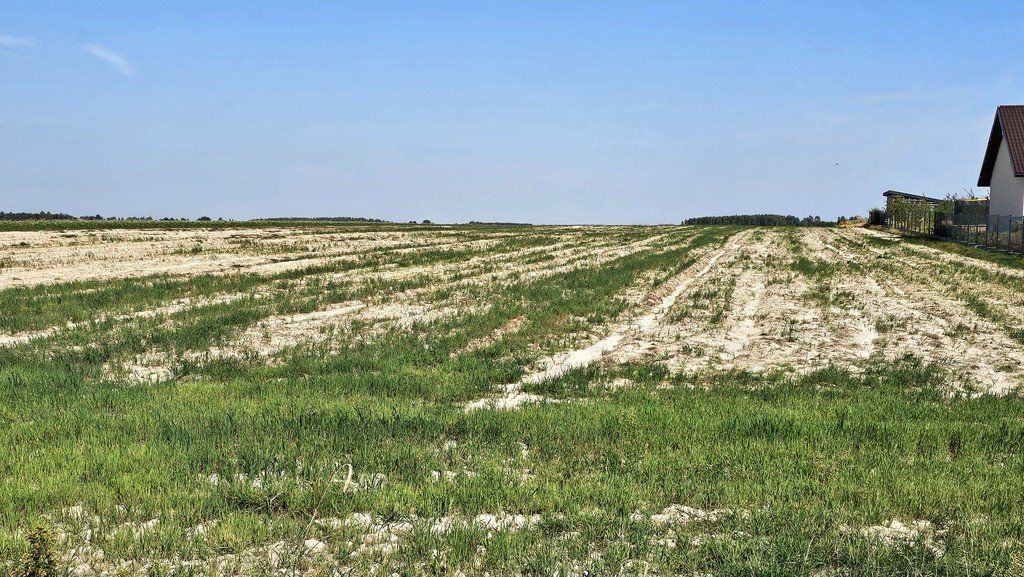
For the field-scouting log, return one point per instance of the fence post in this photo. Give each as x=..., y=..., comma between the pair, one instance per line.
x=1021, y=222
x=1009, y=231
x=1000, y=231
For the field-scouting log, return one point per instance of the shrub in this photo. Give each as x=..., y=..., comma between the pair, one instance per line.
x=40, y=561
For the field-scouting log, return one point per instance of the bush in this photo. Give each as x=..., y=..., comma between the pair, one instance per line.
x=40, y=561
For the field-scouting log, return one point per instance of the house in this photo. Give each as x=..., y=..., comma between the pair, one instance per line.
x=1003, y=168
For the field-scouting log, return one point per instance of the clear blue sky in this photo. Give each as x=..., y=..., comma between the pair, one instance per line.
x=548, y=112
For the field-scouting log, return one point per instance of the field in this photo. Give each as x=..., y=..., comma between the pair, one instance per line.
x=422, y=400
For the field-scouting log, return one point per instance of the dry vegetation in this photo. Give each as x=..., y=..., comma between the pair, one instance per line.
x=510, y=400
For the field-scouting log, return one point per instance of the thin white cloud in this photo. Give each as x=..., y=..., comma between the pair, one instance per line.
x=9, y=41
x=115, y=60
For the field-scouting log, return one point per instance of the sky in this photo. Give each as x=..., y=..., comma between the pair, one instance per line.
x=637, y=112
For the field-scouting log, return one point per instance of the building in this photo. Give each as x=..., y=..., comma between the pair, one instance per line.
x=1003, y=168
x=891, y=195
x=911, y=212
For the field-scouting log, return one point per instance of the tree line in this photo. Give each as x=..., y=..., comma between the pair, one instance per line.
x=761, y=220
x=326, y=219
x=45, y=215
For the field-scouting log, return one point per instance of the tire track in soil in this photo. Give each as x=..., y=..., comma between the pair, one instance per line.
x=768, y=323
x=177, y=305
x=48, y=261
x=925, y=318
x=402, y=309
x=513, y=395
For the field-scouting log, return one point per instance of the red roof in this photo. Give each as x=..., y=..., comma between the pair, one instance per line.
x=1009, y=124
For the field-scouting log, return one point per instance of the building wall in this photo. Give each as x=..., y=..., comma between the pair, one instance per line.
x=1006, y=195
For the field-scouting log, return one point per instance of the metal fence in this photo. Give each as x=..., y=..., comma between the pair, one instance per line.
x=998, y=232
x=970, y=223
x=920, y=218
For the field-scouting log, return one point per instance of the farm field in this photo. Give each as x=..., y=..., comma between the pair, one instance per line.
x=428, y=400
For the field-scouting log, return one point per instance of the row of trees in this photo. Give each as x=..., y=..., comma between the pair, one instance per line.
x=45, y=215
x=761, y=220
x=327, y=218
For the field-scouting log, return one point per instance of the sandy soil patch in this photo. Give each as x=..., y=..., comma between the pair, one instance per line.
x=331, y=327
x=775, y=319
x=55, y=257
x=510, y=327
x=168, y=309
x=803, y=324
x=744, y=306
x=895, y=532
x=512, y=396
x=923, y=313
x=767, y=321
x=343, y=544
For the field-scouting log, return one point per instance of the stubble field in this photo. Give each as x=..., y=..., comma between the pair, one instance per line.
x=421, y=400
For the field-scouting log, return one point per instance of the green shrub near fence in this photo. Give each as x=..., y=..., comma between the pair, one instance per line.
x=913, y=215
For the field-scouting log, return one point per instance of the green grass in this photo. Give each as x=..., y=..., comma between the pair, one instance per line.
x=800, y=463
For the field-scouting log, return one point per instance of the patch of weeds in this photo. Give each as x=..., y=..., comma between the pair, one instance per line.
x=40, y=561
x=812, y=268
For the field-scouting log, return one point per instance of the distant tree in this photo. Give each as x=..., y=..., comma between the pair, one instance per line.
x=426, y=222
x=205, y=219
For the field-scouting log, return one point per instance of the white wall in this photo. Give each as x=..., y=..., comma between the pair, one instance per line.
x=1006, y=195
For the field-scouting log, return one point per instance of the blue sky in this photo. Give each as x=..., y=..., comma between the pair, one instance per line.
x=547, y=112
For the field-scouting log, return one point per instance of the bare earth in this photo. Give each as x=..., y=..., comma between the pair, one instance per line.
x=745, y=306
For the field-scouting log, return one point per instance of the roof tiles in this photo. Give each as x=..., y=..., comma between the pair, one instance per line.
x=1008, y=125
